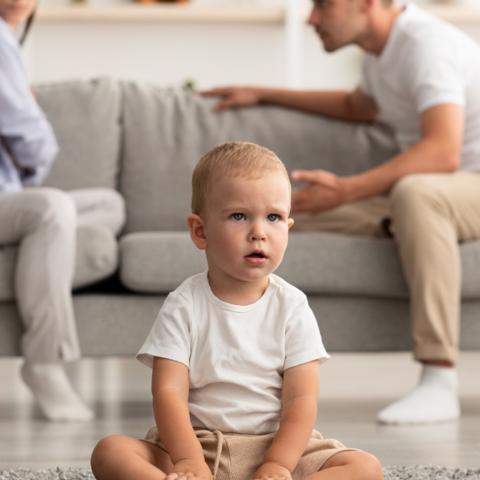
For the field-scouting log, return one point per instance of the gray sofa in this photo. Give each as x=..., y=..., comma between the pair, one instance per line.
x=145, y=141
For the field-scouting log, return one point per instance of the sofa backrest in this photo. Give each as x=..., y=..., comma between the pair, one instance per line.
x=86, y=118
x=166, y=131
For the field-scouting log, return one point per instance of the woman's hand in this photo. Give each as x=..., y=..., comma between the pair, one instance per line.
x=233, y=97
x=190, y=469
x=272, y=471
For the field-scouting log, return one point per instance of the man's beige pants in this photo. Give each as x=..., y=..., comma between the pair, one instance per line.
x=429, y=214
x=43, y=222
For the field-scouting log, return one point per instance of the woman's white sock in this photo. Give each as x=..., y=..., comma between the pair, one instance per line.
x=54, y=393
x=435, y=399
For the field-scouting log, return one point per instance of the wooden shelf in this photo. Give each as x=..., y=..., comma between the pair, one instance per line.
x=188, y=13
x=457, y=14
x=176, y=13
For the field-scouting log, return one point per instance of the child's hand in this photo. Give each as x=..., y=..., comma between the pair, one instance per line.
x=272, y=471
x=190, y=469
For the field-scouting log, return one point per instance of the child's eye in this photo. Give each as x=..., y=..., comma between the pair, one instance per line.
x=238, y=217
x=273, y=217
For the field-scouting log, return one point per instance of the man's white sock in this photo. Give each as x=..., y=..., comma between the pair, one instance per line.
x=435, y=399
x=54, y=393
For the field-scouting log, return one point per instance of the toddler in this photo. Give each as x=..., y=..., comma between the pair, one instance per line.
x=235, y=350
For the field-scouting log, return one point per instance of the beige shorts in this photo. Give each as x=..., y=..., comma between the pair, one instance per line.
x=237, y=456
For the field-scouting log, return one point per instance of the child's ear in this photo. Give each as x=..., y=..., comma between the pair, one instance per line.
x=290, y=222
x=197, y=231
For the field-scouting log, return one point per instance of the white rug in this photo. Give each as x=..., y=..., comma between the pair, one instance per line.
x=391, y=473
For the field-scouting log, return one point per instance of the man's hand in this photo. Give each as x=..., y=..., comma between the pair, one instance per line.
x=190, y=469
x=233, y=97
x=272, y=471
x=324, y=190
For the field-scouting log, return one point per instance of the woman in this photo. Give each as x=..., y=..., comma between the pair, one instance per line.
x=43, y=222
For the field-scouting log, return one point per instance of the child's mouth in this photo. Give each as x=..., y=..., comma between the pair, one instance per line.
x=256, y=258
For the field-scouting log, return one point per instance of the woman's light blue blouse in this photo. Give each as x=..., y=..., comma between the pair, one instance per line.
x=23, y=126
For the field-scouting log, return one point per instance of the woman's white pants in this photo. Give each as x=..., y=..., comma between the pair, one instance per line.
x=43, y=222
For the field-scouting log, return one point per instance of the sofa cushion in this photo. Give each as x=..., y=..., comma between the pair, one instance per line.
x=118, y=324
x=167, y=131
x=317, y=263
x=96, y=259
x=85, y=116
x=355, y=265
x=154, y=262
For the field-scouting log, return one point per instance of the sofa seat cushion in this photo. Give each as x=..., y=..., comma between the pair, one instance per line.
x=158, y=262
x=96, y=259
x=317, y=263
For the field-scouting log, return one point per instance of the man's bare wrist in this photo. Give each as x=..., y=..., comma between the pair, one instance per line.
x=349, y=188
x=262, y=95
x=267, y=95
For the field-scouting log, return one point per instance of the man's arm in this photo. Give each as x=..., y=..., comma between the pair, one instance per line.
x=353, y=106
x=439, y=151
x=299, y=411
x=170, y=389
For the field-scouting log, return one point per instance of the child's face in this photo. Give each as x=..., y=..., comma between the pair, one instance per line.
x=246, y=226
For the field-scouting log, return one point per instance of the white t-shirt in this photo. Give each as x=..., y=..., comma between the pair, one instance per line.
x=236, y=355
x=426, y=62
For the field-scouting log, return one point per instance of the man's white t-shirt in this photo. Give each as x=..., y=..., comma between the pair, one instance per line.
x=426, y=62
x=236, y=355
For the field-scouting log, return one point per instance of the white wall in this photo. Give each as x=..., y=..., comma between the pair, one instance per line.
x=170, y=54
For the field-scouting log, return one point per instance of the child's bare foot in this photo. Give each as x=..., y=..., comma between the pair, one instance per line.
x=190, y=469
x=272, y=471
x=352, y=465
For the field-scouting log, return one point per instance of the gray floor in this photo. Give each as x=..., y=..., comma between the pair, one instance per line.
x=353, y=388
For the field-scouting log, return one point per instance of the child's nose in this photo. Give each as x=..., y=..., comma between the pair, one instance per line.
x=257, y=232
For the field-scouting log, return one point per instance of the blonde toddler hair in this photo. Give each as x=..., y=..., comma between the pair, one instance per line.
x=228, y=160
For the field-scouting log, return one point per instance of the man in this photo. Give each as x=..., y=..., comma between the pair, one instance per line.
x=423, y=75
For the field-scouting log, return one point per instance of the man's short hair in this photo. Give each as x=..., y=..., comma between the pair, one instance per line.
x=229, y=160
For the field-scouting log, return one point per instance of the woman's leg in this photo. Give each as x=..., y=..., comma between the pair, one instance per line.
x=102, y=206
x=123, y=458
x=43, y=222
x=350, y=465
